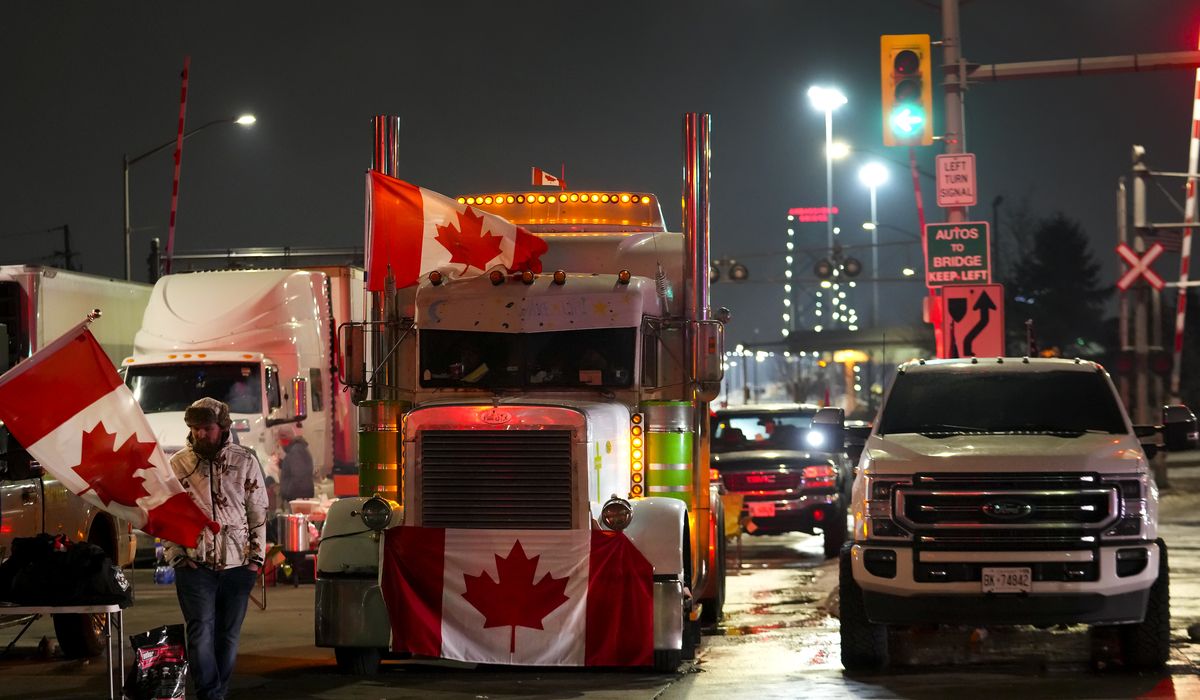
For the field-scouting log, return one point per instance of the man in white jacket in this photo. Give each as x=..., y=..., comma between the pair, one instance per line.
x=213, y=581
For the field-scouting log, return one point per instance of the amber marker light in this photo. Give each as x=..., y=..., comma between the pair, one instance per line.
x=541, y=199
x=645, y=200
x=527, y=277
x=574, y=197
x=435, y=278
x=560, y=277
x=624, y=276
x=496, y=276
x=462, y=200
x=624, y=198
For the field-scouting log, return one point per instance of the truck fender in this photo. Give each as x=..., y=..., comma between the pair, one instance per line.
x=348, y=547
x=657, y=530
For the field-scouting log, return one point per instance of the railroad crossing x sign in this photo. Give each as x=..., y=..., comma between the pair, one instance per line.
x=1139, y=266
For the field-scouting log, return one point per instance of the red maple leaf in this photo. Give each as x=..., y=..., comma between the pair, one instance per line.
x=515, y=599
x=468, y=243
x=110, y=473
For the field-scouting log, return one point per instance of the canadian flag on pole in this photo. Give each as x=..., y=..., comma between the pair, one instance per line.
x=417, y=231
x=69, y=409
x=541, y=177
x=526, y=597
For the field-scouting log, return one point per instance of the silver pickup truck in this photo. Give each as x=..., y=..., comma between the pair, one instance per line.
x=1006, y=491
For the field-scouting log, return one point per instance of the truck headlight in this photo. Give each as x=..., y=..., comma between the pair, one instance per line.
x=616, y=514
x=376, y=513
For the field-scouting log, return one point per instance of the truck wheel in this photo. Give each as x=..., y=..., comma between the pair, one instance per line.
x=864, y=643
x=80, y=636
x=712, y=610
x=1147, y=645
x=357, y=661
x=667, y=660
x=835, y=533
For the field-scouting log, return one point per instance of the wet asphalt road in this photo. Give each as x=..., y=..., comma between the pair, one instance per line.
x=778, y=640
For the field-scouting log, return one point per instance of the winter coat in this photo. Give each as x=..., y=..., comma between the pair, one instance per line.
x=230, y=490
x=296, y=471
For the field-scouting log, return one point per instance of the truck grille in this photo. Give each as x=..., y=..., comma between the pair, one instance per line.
x=995, y=512
x=496, y=479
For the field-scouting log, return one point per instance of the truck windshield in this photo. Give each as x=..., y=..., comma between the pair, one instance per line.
x=163, y=388
x=933, y=403
x=601, y=357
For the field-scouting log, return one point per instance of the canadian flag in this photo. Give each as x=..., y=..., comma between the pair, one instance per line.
x=69, y=409
x=541, y=177
x=526, y=597
x=417, y=231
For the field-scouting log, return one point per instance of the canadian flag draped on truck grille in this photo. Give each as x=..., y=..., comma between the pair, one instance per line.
x=526, y=597
x=417, y=231
x=69, y=409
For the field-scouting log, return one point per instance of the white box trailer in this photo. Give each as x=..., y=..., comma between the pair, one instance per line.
x=37, y=305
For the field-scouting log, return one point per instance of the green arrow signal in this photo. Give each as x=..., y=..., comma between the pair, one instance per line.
x=907, y=120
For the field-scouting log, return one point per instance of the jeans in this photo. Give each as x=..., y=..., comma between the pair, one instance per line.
x=214, y=605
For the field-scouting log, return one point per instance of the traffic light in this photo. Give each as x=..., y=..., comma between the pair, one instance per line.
x=907, y=89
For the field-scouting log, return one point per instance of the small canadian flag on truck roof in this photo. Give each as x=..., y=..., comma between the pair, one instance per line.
x=541, y=177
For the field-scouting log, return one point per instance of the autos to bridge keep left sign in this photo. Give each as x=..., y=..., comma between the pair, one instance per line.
x=973, y=320
x=957, y=253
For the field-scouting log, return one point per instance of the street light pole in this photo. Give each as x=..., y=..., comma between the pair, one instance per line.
x=873, y=175
x=827, y=100
x=126, y=162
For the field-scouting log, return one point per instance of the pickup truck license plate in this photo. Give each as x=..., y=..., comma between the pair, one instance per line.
x=1010, y=579
x=764, y=509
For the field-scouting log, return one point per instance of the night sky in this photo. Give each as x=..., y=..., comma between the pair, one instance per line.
x=487, y=89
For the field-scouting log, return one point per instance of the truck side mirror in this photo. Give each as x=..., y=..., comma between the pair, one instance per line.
x=857, y=432
x=828, y=429
x=353, y=371
x=299, y=398
x=1179, y=428
x=710, y=358
x=1150, y=437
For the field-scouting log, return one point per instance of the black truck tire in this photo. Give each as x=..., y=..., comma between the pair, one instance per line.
x=864, y=643
x=358, y=661
x=835, y=533
x=1147, y=645
x=713, y=609
x=80, y=636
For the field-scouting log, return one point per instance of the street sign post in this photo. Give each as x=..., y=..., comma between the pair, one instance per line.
x=1139, y=266
x=956, y=180
x=957, y=254
x=973, y=317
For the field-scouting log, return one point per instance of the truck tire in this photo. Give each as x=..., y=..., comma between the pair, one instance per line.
x=713, y=609
x=835, y=533
x=83, y=636
x=667, y=660
x=864, y=643
x=358, y=661
x=1147, y=645
x=80, y=636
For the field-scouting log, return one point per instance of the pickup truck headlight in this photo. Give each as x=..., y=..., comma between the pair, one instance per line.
x=878, y=508
x=1133, y=506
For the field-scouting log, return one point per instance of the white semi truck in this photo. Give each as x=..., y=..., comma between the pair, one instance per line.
x=568, y=402
x=262, y=342
x=37, y=305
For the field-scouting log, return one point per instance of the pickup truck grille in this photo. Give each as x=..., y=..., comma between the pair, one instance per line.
x=993, y=512
x=496, y=479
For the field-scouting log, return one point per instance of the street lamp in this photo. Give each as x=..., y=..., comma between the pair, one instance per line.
x=243, y=120
x=873, y=175
x=826, y=100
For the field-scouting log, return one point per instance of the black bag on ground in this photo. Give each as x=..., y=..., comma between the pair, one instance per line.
x=81, y=575
x=25, y=551
x=159, y=664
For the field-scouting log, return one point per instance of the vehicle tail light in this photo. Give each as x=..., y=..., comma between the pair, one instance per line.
x=819, y=476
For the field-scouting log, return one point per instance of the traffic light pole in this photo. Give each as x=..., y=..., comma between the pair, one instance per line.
x=953, y=86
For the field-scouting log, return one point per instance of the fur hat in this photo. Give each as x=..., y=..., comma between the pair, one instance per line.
x=207, y=411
